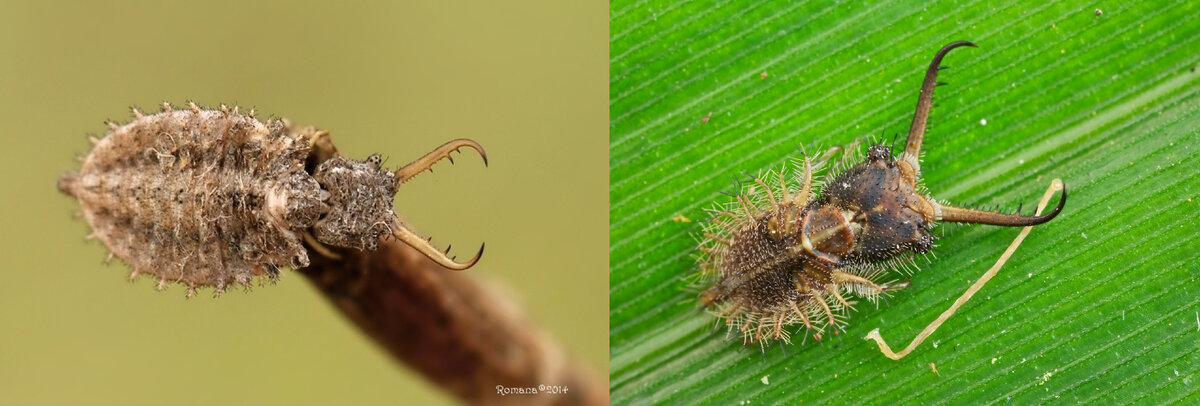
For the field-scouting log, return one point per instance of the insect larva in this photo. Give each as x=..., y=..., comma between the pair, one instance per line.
x=789, y=249
x=215, y=197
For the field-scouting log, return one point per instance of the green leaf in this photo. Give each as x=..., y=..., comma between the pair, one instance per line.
x=1101, y=305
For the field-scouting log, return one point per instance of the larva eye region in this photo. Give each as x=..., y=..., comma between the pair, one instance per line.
x=407, y=172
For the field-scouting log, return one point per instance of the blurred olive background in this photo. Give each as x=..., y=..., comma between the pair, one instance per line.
x=526, y=79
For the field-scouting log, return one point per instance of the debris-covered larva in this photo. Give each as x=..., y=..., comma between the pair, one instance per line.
x=214, y=197
x=789, y=248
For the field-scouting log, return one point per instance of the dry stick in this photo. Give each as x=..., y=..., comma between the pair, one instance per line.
x=450, y=327
x=1055, y=186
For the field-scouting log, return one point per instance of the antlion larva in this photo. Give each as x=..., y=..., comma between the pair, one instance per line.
x=214, y=197
x=782, y=254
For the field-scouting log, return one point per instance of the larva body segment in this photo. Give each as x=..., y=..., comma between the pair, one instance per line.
x=779, y=255
x=214, y=197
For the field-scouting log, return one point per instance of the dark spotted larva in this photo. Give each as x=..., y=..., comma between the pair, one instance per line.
x=781, y=254
x=215, y=197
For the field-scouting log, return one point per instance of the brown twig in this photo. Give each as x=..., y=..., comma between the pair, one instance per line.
x=451, y=328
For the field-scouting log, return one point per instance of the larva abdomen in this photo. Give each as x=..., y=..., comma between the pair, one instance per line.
x=202, y=197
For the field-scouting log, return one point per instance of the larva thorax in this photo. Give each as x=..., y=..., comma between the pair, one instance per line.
x=215, y=197
x=857, y=224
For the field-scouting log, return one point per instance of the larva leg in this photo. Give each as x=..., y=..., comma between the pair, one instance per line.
x=318, y=247
x=803, y=316
x=840, y=277
x=820, y=299
x=849, y=153
x=833, y=291
x=837, y=155
x=320, y=137
x=804, y=176
x=806, y=184
x=1055, y=186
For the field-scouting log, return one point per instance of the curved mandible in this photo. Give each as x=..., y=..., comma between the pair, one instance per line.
x=404, y=174
x=916, y=133
x=425, y=246
x=961, y=215
x=407, y=172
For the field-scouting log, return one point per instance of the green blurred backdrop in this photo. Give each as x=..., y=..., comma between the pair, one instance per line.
x=526, y=79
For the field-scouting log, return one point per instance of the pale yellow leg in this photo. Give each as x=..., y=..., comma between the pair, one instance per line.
x=316, y=137
x=825, y=306
x=833, y=290
x=840, y=277
x=320, y=248
x=803, y=317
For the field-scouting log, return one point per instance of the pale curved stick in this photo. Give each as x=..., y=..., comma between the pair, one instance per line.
x=1055, y=186
x=443, y=152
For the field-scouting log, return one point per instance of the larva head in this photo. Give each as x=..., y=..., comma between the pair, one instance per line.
x=360, y=201
x=882, y=200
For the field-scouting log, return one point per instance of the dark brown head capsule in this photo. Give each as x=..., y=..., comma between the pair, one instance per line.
x=214, y=197
x=779, y=255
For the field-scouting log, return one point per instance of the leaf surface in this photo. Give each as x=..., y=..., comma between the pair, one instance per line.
x=1101, y=305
